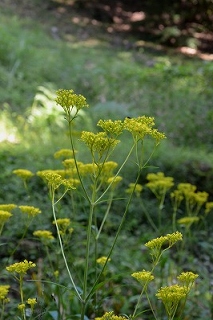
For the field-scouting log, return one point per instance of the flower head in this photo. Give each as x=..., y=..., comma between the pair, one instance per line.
x=63, y=153
x=136, y=188
x=143, y=277
x=102, y=260
x=209, y=207
x=31, y=211
x=188, y=221
x=141, y=127
x=110, y=316
x=4, y=216
x=23, y=173
x=4, y=289
x=70, y=101
x=43, y=234
x=21, y=267
x=98, y=142
x=172, y=294
x=7, y=207
x=31, y=302
x=187, y=279
x=114, y=128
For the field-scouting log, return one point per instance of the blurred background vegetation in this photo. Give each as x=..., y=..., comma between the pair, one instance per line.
x=128, y=58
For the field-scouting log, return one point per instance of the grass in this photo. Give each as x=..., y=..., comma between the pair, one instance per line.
x=117, y=83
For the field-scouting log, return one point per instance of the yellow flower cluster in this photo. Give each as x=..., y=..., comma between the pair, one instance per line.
x=63, y=225
x=114, y=181
x=55, y=180
x=141, y=127
x=98, y=142
x=63, y=153
x=111, y=127
x=102, y=260
x=21, y=267
x=171, y=295
x=43, y=234
x=167, y=242
x=4, y=216
x=194, y=200
x=110, y=316
x=4, y=289
x=209, y=207
x=31, y=302
x=68, y=100
x=143, y=277
x=187, y=279
x=30, y=210
x=188, y=221
x=136, y=188
x=23, y=173
x=159, y=184
x=7, y=207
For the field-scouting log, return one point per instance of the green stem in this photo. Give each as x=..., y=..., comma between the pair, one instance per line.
x=105, y=216
x=62, y=250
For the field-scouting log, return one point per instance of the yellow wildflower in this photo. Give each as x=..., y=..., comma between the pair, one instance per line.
x=31, y=211
x=98, y=142
x=70, y=101
x=187, y=279
x=110, y=316
x=143, y=126
x=158, y=183
x=4, y=216
x=188, y=220
x=63, y=153
x=63, y=222
x=43, y=234
x=102, y=260
x=23, y=173
x=21, y=306
x=209, y=207
x=143, y=277
x=112, y=127
x=114, y=181
x=21, y=267
x=172, y=238
x=137, y=188
x=7, y=207
x=31, y=302
x=4, y=289
x=171, y=295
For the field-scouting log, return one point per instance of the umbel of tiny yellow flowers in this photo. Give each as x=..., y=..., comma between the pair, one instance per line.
x=21, y=267
x=98, y=142
x=136, y=188
x=159, y=184
x=23, y=173
x=30, y=210
x=43, y=234
x=102, y=260
x=4, y=216
x=63, y=153
x=166, y=242
x=4, y=289
x=110, y=316
x=188, y=221
x=113, y=128
x=70, y=102
x=187, y=279
x=143, y=277
x=31, y=302
x=8, y=207
x=141, y=127
x=171, y=297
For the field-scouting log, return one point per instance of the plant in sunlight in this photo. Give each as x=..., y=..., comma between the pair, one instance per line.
x=77, y=278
